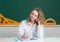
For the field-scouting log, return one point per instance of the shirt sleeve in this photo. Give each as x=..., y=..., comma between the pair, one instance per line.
x=21, y=29
x=40, y=31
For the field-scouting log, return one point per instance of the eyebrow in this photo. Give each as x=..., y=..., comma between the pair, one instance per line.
x=33, y=13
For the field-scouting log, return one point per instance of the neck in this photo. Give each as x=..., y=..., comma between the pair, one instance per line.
x=32, y=22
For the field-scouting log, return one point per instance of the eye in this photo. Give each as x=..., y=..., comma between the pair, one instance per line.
x=36, y=16
x=32, y=13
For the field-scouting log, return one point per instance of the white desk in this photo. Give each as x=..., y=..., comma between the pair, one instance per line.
x=47, y=39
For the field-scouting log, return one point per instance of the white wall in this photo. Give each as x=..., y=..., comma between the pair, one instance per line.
x=8, y=31
x=11, y=31
x=52, y=31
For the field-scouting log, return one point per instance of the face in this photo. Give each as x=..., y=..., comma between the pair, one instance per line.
x=33, y=15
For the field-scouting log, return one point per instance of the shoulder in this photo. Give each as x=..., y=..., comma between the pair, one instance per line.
x=23, y=22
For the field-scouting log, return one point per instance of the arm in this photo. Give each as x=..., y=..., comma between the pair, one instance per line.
x=22, y=30
x=40, y=31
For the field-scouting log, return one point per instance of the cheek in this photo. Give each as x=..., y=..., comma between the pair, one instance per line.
x=30, y=16
x=33, y=17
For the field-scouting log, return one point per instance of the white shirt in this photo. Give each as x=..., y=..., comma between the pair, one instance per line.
x=29, y=29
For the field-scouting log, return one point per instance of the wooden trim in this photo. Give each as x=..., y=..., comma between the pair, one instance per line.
x=8, y=25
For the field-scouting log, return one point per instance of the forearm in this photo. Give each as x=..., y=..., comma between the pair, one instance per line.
x=40, y=31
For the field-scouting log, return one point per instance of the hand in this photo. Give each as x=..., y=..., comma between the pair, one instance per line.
x=37, y=21
x=24, y=36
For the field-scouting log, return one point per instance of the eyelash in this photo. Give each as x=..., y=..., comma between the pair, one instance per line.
x=33, y=14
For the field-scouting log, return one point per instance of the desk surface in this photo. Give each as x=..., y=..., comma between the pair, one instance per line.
x=46, y=39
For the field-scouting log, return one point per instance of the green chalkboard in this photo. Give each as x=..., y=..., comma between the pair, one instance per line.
x=19, y=9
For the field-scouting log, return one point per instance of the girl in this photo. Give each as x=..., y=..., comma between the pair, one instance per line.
x=33, y=26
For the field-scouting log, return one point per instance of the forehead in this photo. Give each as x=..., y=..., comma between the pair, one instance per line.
x=35, y=12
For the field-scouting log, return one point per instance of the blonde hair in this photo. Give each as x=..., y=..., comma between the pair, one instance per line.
x=40, y=18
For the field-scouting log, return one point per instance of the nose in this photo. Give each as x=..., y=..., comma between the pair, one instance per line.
x=33, y=16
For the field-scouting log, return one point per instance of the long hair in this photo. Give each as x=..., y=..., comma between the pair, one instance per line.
x=40, y=17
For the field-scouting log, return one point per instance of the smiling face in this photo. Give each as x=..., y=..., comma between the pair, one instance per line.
x=33, y=15
x=37, y=15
